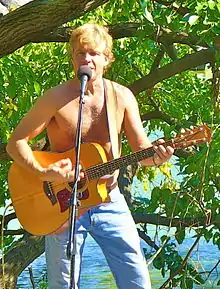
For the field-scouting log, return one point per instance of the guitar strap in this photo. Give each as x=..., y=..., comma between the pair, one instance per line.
x=111, y=111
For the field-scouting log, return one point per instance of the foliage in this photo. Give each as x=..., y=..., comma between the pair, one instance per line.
x=186, y=187
x=42, y=283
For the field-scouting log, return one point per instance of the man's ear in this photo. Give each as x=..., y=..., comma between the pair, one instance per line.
x=106, y=61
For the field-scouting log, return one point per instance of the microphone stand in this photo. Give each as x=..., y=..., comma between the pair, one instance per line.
x=74, y=202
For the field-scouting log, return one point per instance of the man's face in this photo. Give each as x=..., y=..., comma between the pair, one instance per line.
x=93, y=57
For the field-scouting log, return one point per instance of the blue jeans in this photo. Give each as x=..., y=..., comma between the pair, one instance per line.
x=113, y=228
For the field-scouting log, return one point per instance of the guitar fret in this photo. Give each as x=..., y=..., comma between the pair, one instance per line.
x=109, y=167
x=100, y=170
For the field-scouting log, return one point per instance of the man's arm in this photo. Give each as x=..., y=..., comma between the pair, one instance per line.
x=32, y=124
x=136, y=134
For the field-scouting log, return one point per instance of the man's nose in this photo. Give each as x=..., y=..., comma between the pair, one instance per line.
x=87, y=57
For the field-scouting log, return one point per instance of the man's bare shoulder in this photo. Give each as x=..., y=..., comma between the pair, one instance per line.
x=123, y=93
x=63, y=90
x=121, y=89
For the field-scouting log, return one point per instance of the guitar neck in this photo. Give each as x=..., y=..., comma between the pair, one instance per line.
x=109, y=167
x=187, y=138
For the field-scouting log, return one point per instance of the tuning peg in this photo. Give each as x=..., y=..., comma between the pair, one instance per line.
x=191, y=127
x=182, y=130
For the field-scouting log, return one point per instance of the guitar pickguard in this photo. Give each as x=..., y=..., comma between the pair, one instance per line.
x=65, y=195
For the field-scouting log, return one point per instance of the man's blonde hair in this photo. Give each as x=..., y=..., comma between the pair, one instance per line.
x=95, y=36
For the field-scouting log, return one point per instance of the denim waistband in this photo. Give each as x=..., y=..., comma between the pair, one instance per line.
x=115, y=194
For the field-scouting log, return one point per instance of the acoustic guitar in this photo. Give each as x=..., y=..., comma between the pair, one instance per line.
x=42, y=206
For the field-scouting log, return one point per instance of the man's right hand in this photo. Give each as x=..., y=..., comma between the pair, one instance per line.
x=62, y=171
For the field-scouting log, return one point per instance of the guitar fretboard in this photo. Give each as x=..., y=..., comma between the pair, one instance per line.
x=109, y=167
x=187, y=138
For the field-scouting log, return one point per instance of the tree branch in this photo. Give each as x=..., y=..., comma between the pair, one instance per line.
x=127, y=29
x=36, y=22
x=155, y=219
x=22, y=25
x=181, y=65
x=147, y=239
x=13, y=232
x=158, y=115
x=19, y=257
x=214, y=268
x=7, y=219
x=182, y=266
x=158, y=59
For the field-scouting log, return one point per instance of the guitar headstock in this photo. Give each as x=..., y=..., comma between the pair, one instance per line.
x=193, y=136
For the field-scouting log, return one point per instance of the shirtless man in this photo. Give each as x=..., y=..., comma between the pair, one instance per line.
x=110, y=224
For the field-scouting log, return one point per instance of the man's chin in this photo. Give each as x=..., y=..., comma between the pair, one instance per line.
x=95, y=76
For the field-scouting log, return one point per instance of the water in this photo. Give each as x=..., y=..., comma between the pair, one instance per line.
x=96, y=274
x=95, y=270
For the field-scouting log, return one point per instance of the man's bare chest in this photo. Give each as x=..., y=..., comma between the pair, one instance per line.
x=94, y=121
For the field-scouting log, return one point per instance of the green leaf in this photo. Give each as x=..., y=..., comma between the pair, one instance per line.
x=211, y=4
x=148, y=15
x=208, y=235
x=180, y=235
x=216, y=239
x=193, y=19
x=189, y=283
x=159, y=261
x=37, y=87
x=164, y=238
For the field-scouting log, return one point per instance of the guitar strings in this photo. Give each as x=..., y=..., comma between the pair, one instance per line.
x=99, y=170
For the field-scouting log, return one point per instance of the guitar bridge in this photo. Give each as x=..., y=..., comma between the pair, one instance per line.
x=48, y=190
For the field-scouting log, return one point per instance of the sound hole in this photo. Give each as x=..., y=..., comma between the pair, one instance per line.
x=84, y=194
x=80, y=184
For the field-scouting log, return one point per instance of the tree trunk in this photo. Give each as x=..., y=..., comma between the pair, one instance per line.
x=18, y=258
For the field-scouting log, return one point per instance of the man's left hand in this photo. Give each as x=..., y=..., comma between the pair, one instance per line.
x=163, y=152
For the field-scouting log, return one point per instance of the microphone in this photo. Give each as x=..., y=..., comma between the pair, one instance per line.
x=84, y=74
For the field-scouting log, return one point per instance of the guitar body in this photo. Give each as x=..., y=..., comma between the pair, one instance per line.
x=43, y=207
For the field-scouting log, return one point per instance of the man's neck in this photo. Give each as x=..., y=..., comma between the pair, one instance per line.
x=95, y=86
